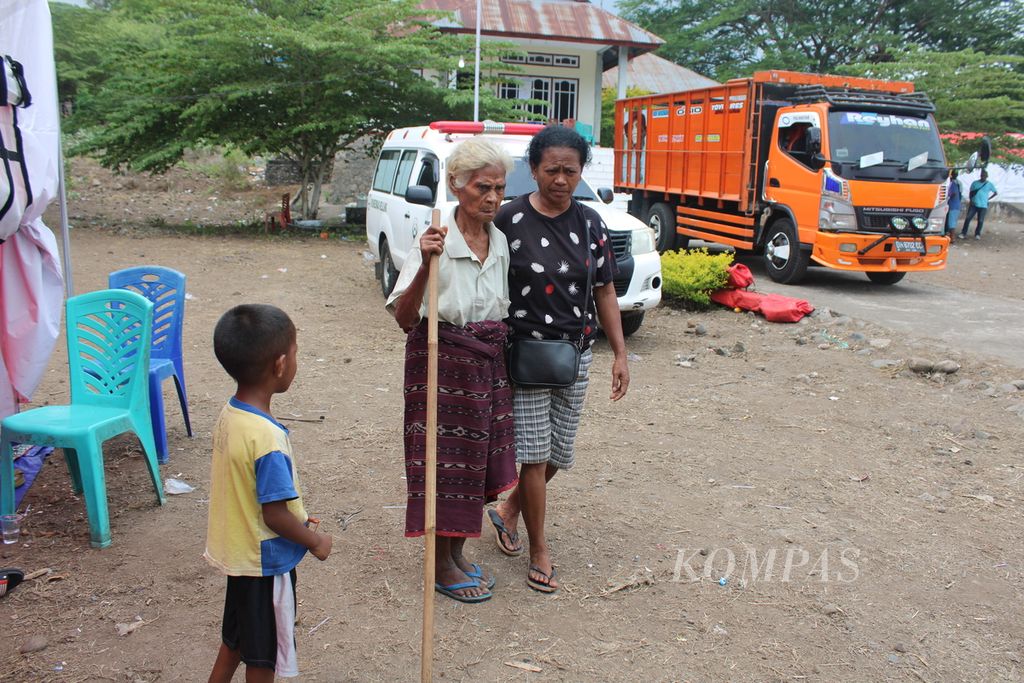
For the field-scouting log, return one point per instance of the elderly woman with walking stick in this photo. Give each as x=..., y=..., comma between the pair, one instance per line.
x=475, y=431
x=560, y=277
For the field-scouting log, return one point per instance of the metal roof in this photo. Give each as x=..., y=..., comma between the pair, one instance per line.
x=657, y=75
x=568, y=20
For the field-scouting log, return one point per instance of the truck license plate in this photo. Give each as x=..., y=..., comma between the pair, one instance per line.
x=908, y=245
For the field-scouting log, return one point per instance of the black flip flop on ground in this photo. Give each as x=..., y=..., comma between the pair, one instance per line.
x=9, y=579
x=499, y=529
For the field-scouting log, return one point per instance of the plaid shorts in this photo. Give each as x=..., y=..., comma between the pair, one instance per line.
x=547, y=420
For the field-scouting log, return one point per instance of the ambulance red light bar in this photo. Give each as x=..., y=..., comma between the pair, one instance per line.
x=477, y=127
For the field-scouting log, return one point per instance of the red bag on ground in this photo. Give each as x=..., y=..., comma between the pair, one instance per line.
x=740, y=276
x=775, y=308
x=783, y=309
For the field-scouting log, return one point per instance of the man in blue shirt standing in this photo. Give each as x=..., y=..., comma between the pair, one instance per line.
x=955, y=195
x=981, y=191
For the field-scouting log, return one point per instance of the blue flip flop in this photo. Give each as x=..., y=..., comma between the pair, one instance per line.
x=478, y=573
x=449, y=591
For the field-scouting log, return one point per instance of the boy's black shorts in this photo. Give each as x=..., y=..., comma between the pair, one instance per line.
x=259, y=621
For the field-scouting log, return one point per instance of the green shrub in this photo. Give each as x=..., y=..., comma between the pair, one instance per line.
x=226, y=167
x=689, y=276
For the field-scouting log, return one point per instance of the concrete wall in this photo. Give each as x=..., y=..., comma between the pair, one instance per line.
x=353, y=171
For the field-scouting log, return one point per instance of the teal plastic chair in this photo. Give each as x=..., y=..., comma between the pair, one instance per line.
x=108, y=335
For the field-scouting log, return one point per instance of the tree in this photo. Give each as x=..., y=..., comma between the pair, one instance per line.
x=303, y=79
x=972, y=92
x=729, y=38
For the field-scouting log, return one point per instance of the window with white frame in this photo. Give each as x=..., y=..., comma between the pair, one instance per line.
x=563, y=98
x=557, y=96
x=543, y=59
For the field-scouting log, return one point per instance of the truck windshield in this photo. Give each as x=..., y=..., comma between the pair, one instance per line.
x=908, y=146
x=519, y=181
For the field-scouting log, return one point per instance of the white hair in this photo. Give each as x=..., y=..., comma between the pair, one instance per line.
x=473, y=155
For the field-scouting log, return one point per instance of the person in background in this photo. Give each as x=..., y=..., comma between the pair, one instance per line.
x=954, y=195
x=558, y=246
x=475, y=430
x=980, y=193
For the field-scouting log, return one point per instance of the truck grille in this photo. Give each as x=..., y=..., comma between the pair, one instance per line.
x=622, y=242
x=872, y=218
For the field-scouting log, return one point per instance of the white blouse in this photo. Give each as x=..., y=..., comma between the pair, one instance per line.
x=468, y=291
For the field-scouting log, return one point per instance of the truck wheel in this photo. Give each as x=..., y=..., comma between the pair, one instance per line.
x=631, y=322
x=662, y=220
x=388, y=273
x=784, y=260
x=885, y=278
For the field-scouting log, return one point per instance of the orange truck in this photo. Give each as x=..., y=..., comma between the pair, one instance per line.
x=843, y=172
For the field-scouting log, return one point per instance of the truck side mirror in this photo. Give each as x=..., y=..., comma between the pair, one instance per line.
x=981, y=157
x=419, y=194
x=985, y=151
x=813, y=140
x=972, y=162
x=605, y=194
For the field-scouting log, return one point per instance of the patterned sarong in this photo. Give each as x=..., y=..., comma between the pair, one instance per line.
x=476, y=458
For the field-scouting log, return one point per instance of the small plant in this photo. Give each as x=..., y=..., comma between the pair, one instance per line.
x=690, y=275
x=228, y=167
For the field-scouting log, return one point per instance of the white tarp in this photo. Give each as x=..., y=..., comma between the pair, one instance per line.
x=1009, y=182
x=31, y=285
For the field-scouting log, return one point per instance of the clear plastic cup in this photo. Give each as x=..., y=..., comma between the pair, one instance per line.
x=11, y=526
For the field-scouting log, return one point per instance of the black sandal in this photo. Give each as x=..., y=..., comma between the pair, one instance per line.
x=9, y=579
x=499, y=529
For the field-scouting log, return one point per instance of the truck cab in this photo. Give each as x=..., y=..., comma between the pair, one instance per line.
x=864, y=186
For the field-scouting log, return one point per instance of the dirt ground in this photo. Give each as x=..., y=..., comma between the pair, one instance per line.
x=783, y=505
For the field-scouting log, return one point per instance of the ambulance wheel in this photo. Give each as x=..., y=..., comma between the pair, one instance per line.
x=784, y=260
x=885, y=278
x=388, y=273
x=662, y=220
x=631, y=322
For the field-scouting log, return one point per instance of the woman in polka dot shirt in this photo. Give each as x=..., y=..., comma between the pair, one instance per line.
x=557, y=245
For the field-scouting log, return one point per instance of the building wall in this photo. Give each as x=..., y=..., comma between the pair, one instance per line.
x=586, y=75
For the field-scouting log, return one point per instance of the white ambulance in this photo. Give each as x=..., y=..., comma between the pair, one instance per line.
x=407, y=185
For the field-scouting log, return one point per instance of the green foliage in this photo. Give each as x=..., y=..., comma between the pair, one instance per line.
x=608, y=112
x=972, y=91
x=300, y=79
x=228, y=168
x=729, y=38
x=690, y=275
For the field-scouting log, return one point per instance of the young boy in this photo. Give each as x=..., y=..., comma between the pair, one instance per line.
x=258, y=529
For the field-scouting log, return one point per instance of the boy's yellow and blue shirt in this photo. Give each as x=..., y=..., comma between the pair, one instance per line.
x=252, y=465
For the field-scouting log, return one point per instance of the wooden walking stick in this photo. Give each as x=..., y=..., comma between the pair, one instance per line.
x=430, y=493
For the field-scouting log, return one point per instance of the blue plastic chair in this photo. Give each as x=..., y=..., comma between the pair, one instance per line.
x=108, y=334
x=166, y=289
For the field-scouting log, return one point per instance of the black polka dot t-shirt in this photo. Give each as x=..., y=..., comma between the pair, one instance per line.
x=548, y=270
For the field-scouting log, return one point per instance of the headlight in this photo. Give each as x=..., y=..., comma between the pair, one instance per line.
x=920, y=222
x=937, y=219
x=834, y=214
x=900, y=223
x=642, y=241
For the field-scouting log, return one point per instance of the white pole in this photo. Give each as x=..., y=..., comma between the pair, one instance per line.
x=69, y=285
x=476, y=70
